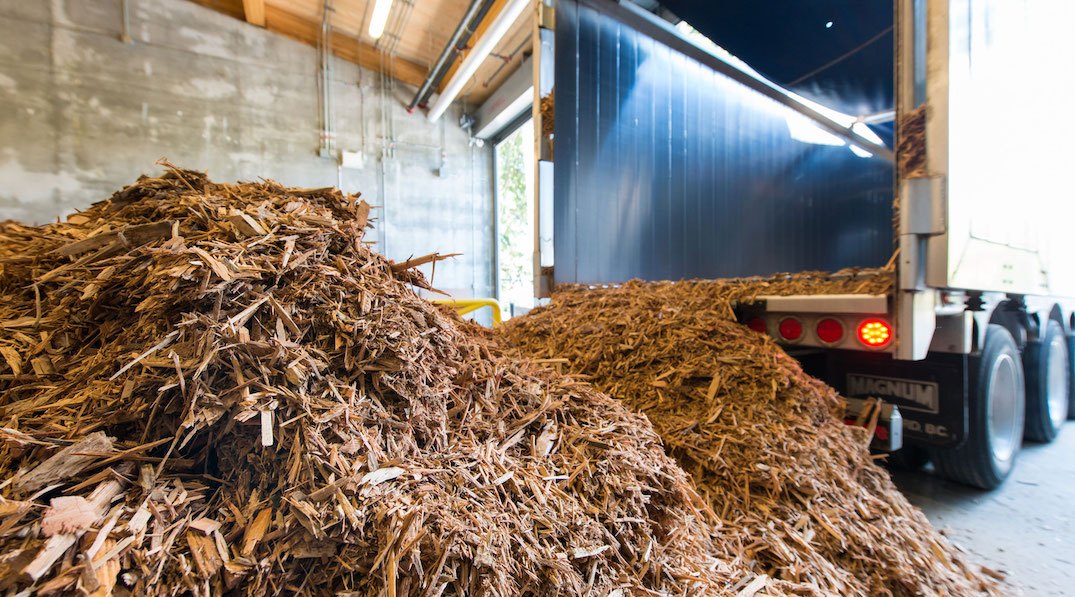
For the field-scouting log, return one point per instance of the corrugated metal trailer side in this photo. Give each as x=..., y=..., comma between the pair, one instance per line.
x=668, y=169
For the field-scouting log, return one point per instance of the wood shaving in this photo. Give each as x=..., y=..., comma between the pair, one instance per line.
x=797, y=495
x=400, y=453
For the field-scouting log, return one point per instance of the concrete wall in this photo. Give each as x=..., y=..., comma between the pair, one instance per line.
x=82, y=114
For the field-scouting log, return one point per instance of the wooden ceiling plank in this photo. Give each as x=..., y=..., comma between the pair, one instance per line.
x=291, y=25
x=232, y=8
x=429, y=28
x=479, y=31
x=343, y=45
x=254, y=11
x=307, y=30
x=367, y=56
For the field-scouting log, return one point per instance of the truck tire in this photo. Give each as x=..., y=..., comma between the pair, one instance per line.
x=1047, y=389
x=1071, y=377
x=996, y=414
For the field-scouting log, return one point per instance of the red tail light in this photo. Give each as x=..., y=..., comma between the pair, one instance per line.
x=875, y=332
x=830, y=331
x=790, y=329
x=757, y=324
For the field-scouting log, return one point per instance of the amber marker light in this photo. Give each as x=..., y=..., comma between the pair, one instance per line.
x=875, y=333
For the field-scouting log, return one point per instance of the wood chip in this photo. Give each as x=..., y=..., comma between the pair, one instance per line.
x=401, y=451
x=65, y=464
x=755, y=585
x=246, y=225
x=203, y=550
x=205, y=525
x=128, y=236
x=68, y=514
x=381, y=475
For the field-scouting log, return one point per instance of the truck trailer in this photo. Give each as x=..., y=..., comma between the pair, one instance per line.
x=671, y=159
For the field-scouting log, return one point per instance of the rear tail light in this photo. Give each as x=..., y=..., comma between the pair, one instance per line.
x=875, y=333
x=757, y=324
x=791, y=329
x=830, y=331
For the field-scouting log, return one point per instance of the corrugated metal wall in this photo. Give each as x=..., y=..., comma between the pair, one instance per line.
x=666, y=169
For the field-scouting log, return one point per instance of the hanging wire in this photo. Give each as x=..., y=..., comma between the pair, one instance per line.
x=842, y=57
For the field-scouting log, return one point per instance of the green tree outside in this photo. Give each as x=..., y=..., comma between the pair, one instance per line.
x=515, y=218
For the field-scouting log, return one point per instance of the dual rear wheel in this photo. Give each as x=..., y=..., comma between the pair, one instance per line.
x=997, y=412
x=1009, y=401
x=1048, y=385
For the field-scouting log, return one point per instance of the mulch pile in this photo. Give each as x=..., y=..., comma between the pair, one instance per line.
x=213, y=387
x=797, y=494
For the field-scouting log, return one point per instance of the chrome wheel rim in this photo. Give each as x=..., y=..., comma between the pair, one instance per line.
x=1003, y=406
x=1057, y=382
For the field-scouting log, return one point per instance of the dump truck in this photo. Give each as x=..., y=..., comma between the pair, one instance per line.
x=672, y=159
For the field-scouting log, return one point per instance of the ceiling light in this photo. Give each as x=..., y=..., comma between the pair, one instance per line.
x=379, y=18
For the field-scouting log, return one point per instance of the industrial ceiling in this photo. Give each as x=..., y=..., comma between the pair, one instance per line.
x=415, y=35
x=836, y=52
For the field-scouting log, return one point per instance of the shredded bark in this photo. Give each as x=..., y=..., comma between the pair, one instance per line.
x=211, y=388
x=548, y=115
x=911, y=152
x=798, y=495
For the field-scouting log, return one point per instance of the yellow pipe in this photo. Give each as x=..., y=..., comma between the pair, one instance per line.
x=464, y=306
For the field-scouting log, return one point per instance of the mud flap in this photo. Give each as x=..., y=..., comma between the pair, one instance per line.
x=887, y=424
x=932, y=395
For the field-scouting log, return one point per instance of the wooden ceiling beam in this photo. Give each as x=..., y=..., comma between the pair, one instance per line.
x=232, y=8
x=343, y=45
x=302, y=29
x=254, y=11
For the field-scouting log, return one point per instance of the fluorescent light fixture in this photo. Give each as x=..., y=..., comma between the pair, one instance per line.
x=479, y=53
x=806, y=130
x=860, y=129
x=520, y=104
x=379, y=18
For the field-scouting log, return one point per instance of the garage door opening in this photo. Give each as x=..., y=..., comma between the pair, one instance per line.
x=515, y=220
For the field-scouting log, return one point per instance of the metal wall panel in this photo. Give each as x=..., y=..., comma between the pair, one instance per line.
x=666, y=169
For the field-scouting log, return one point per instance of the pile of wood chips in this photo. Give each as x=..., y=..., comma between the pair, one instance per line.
x=211, y=387
x=797, y=494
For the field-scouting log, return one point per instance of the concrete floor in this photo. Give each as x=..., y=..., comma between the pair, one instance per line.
x=1025, y=528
